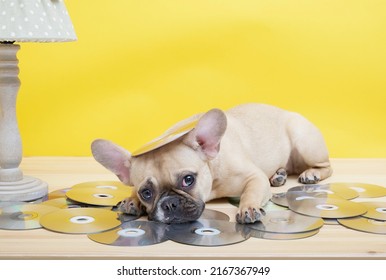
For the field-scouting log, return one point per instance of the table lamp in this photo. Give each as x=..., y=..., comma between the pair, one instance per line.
x=23, y=21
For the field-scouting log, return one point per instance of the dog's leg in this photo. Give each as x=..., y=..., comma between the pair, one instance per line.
x=315, y=174
x=279, y=178
x=255, y=195
x=309, y=155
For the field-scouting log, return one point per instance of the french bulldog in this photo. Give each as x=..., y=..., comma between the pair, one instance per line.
x=240, y=152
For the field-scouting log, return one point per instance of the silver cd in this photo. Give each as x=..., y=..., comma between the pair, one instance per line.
x=328, y=190
x=207, y=233
x=280, y=199
x=5, y=204
x=210, y=214
x=133, y=233
x=286, y=222
x=24, y=216
x=274, y=204
x=282, y=236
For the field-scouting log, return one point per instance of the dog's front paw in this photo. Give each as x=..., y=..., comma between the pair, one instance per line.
x=310, y=176
x=249, y=215
x=131, y=206
x=279, y=178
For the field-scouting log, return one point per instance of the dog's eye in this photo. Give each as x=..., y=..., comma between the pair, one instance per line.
x=188, y=181
x=146, y=194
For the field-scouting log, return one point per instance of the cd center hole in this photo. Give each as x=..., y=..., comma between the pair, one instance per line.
x=377, y=222
x=381, y=210
x=103, y=195
x=327, y=207
x=81, y=219
x=24, y=216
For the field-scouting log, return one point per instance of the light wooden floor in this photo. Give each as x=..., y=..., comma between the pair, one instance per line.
x=332, y=242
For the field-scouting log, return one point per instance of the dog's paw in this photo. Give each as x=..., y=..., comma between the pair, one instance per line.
x=131, y=206
x=310, y=176
x=279, y=178
x=249, y=215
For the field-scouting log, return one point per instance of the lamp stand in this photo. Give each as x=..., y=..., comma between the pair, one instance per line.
x=13, y=185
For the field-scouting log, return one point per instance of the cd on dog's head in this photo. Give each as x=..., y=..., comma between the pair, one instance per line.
x=166, y=138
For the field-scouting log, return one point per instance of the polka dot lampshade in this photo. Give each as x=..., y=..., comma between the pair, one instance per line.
x=35, y=21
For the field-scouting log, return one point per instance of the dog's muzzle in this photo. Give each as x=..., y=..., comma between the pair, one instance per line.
x=177, y=208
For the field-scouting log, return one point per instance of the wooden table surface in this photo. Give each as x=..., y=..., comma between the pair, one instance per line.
x=332, y=242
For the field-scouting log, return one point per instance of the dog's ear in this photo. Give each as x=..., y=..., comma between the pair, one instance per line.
x=207, y=134
x=113, y=157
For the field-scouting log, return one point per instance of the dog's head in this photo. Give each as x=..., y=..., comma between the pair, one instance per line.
x=172, y=181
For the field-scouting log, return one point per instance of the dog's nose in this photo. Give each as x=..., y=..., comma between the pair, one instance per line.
x=170, y=205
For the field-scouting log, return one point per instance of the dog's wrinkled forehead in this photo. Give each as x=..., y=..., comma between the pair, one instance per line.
x=163, y=165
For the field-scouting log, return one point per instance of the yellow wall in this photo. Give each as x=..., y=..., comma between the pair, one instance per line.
x=139, y=66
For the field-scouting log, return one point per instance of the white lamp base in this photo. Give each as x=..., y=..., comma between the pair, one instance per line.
x=13, y=185
x=27, y=189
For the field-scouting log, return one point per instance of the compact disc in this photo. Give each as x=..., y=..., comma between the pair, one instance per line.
x=375, y=210
x=58, y=193
x=327, y=207
x=268, y=207
x=206, y=233
x=23, y=216
x=282, y=236
x=80, y=220
x=103, y=185
x=364, y=224
x=363, y=190
x=210, y=214
x=102, y=197
x=329, y=190
x=280, y=199
x=286, y=222
x=170, y=135
x=134, y=233
x=4, y=204
x=65, y=203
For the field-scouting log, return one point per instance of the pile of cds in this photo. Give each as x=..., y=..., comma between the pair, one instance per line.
x=88, y=208
x=333, y=203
